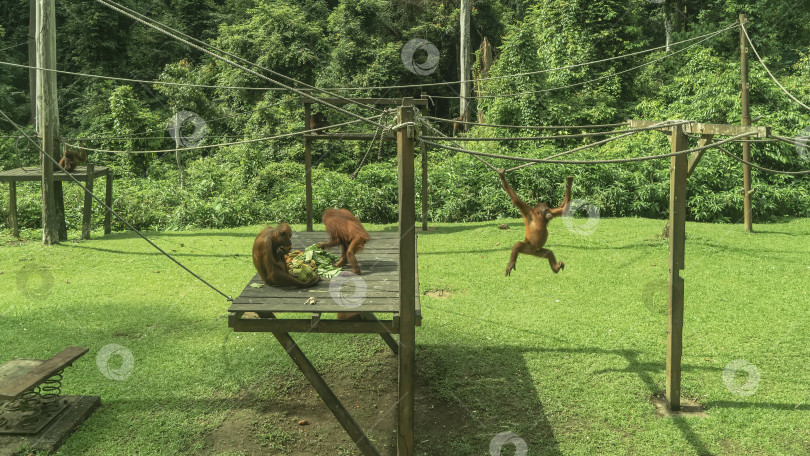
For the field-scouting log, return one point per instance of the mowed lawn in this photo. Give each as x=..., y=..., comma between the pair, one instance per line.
x=567, y=362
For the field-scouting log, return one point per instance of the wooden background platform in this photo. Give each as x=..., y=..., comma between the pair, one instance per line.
x=32, y=174
x=380, y=277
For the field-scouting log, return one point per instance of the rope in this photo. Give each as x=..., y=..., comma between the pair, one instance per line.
x=231, y=62
x=406, y=86
x=540, y=138
x=381, y=132
x=144, y=19
x=529, y=73
x=591, y=162
x=140, y=81
x=767, y=170
x=103, y=204
x=587, y=146
x=748, y=38
x=529, y=127
x=210, y=146
x=517, y=94
x=792, y=141
x=424, y=123
x=14, y=46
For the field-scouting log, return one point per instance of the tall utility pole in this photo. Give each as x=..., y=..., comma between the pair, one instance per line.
x=32, y=59
x=745, y=121
x=47, y=114
x=465, y=61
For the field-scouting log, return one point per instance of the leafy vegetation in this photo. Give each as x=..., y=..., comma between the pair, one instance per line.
x=338, y=43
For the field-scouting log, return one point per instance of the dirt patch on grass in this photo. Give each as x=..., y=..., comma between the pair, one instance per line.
x=438, y=293
x=368, y=389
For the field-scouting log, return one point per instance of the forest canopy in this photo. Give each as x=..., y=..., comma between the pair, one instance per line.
x=359, y=45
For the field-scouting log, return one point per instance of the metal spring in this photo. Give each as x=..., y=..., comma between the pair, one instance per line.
x=50, y=391
x=28, y=401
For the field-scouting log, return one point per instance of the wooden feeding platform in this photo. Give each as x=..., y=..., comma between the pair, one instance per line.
x=86, y=174
x=33, y=412
x=374, y=294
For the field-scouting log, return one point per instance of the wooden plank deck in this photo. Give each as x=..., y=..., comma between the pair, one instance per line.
x=34, y=174
x=375, y=291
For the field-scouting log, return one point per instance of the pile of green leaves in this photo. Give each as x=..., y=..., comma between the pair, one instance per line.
x=323, y=261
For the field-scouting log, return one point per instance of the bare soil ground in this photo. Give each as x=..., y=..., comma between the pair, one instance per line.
x=258, y=426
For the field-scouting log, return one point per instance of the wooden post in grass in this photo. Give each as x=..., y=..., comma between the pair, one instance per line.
x=12, y=209
x=677, y=244
x=745, y=121
x=88, y=202
x=308, y=165
x=108, y=201
x=424, y=148
x=407, y=279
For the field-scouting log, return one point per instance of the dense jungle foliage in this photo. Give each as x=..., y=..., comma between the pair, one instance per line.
x=359, y=43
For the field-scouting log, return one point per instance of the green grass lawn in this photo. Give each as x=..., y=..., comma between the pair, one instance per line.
x=566, y=362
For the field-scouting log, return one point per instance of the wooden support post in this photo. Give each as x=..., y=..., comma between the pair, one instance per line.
x=677, y=244
x=465, y=64
x=88, y=202
x=308, y=166
x=326, y=394
x=108, y=201
x=407, y=279
x=745, y=121
x=177, y=135
x=47, y=114
x=59, y=201
x=424, y=171
x=12, y=209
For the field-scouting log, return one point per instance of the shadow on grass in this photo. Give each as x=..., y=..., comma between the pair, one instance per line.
x=484, y=362
x=489, y=391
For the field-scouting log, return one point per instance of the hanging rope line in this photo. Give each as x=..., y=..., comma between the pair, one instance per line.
x=605, y=141
x=591, y=162
x=139, y=81
x=157, y=25
x=231, y=62
x=103, y=204
x=381, y=132
x=753, y=48
x=426, y=124
x=532, y=92
x=803, y=142
x=211, y=146
x=529, y=73
x=540, y=138
x=14, y=46
x=528, y=127
x=767, y=170
x=405, y=86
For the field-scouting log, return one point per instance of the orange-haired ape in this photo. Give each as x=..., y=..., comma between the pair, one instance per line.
x=535, y=220
x=269, y=249
x=318, y=120
x=71, y=158
x=344, y=229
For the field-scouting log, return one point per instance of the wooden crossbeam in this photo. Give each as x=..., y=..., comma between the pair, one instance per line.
x=699, y=128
